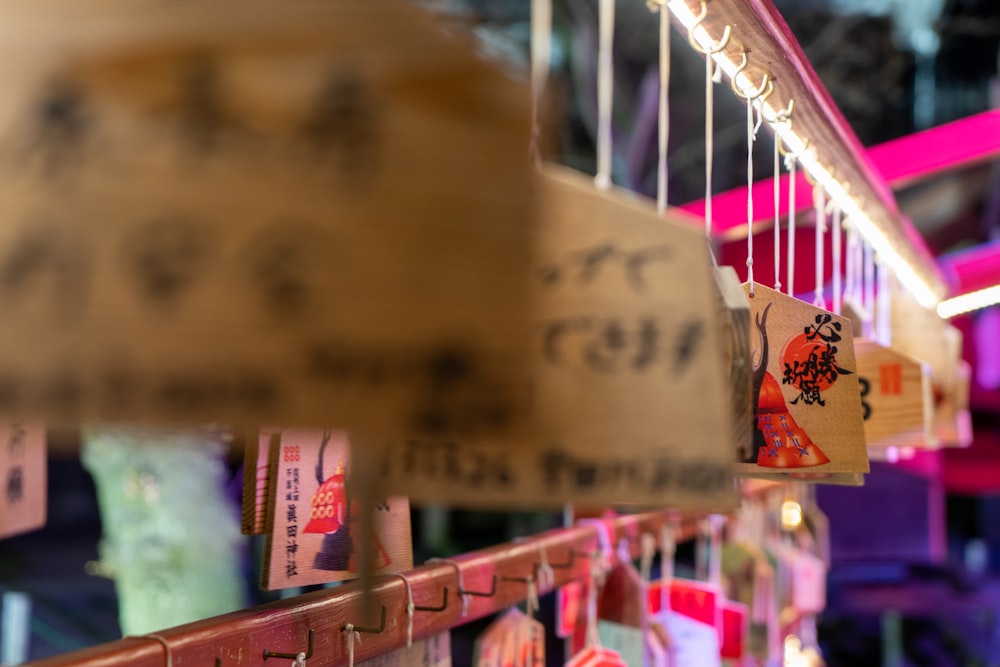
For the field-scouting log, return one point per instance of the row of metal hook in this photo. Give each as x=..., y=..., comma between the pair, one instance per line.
x=462, y=592
x=760, y=94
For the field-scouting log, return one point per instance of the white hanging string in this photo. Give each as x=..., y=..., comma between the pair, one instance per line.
x=646, y=556
x=662, y=174
x=461, y=583
x=532, y=598
x=541, y=48
x=596, y=576
x=410, y=608
x=668, y=550
x=790, y=166
x=819, y=199
x=837, y=260
x=777, y=214
x=869, y=287
x=715, y=522
x=605, y=92
x=709, y=144
x=546, y=575
x=884, y=303
x=750, y=138
x=300, y=660
x=352, y=637
x=853, y=268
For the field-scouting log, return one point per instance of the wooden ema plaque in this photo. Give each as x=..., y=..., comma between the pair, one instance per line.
x=808, y=422
x=629, y=385
x=314, y=531
x=297, y=212
x=919, y=332
x=896, y=397
x=23, y=477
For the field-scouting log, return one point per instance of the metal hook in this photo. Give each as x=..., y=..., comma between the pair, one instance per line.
x=782, y=115
x=482, y=594
x=372, y=631
x=788, y=154
x=567, y=565
x=268, y=654
x=716, y=46
x=763, y=98
x=739, y=68
x=442, y=607
x=757, y=93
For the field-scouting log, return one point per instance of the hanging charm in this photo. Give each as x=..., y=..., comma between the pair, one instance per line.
x=805, y=391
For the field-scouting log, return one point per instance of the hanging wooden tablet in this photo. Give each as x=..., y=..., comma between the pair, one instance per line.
x=23, y=476
x=949, y=419
x=314, y=521
x=623, y=624
x=291, y=212
x=629, y=397
x=513, y=639
x=431, y=652
x=896, y=398
x=808, y=410
x=735, y=320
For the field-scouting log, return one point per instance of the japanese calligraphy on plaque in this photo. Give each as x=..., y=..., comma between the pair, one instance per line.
x=227, y=186
x=808, y=419
x=23, y=477
x=314, y=524
x=629, y=399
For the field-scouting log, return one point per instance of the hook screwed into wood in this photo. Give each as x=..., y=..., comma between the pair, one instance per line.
x=268, y=654
x=372, y=631
x=482, y=594
x=713, y=48
x=442, y=607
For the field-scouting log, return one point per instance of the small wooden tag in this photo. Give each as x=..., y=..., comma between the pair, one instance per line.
x=896, y=397
x=512, y=639
x=808, y=417
x=597, y=656
x=569, y=604
x=735, y=630
x=314, y=532
x=431, y=652
x=23, y=476
x=628, y=372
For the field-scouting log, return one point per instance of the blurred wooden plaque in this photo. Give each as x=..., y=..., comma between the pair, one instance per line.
x=896, y=397
x=808, y=416
x=630, y=399
x=23, y=477
x=292, y=212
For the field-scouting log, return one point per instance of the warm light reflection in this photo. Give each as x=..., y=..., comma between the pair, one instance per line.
x=965, y=303
x=791, y=515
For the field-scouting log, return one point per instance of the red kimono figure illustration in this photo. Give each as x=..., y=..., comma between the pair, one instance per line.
x=331, y=514
x=786, y=444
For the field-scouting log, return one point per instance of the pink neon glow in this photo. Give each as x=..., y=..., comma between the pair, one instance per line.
x=973, y=269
